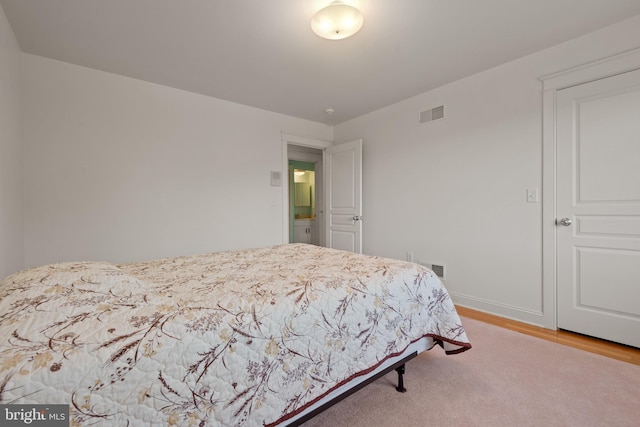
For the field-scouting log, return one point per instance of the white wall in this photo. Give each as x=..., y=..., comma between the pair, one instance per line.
x=454, y=191
x=119, y=169
x=11, y=189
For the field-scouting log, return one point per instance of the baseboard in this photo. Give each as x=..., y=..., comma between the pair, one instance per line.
x=503, y=310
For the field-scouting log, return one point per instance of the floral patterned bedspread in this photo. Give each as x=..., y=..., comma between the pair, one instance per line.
x=242, y=338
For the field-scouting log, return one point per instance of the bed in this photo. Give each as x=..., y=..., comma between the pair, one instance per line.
x=257, y=337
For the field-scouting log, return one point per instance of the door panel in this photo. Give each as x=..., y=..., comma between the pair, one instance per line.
x=595, y=267
x=598, y=189
x=343, y=178
x=608, y=148
x=608, y=226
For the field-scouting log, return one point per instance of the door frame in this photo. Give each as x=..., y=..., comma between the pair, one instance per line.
x=304, y=142
x=551, y=84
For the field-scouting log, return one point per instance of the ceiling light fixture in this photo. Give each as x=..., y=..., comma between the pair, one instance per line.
x=337, y=21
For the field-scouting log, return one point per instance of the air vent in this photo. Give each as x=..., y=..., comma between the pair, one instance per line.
x=438, y=269
x=431, y=115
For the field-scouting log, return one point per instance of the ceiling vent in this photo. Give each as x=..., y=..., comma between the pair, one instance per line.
x=431, y=115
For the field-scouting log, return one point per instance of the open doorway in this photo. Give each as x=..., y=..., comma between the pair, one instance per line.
x=339, y=200
x=305, y=195
x=298, y=145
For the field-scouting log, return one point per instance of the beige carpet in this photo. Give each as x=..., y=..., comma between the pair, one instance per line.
x=506, y=379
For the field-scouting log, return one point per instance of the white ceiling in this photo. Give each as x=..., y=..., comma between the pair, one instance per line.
x=263, y=53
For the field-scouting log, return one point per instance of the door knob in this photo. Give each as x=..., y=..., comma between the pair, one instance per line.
x=564, y=221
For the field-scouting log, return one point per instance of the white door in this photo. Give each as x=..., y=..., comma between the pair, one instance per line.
x=598, y=208
x=343, y=196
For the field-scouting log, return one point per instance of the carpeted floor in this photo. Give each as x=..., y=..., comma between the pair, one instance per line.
x=507, y=379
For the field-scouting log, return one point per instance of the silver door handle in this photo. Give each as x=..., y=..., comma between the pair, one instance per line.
x=357, y=218
x=564, y=221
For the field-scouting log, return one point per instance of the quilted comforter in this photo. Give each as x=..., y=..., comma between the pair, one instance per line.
x=244, y=338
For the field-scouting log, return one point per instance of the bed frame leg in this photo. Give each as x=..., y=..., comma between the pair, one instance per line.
x=400, y=371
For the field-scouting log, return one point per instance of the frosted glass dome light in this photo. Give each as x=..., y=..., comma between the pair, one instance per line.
x=337, y=21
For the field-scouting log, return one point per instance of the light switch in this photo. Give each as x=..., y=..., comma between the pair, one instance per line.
x=532, y=195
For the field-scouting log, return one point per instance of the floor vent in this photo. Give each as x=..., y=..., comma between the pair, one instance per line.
x=431, y=115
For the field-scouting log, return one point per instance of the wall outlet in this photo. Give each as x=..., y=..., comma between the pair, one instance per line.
x=532, y=195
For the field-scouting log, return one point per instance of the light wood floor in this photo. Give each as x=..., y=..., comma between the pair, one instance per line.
x=593, y=345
